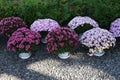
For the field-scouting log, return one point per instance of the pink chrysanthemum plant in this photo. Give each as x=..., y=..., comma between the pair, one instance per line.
x=10, y=24
x=23, y=40
x=81, y=24
x=43, y=26
x=97, y=40
x=61, y=40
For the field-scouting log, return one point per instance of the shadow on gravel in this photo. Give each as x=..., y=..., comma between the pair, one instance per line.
x=12, y=65
x=109, y=63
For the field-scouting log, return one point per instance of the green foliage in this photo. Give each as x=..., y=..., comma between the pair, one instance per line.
x=8, y=8
x=35, y=9
x=64, y=49
x=32, y=48
x=82, y=29
x=103, y=11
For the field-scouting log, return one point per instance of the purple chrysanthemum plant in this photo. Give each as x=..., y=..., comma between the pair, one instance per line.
x=115, y=28
x=97, y=39
x=43, y=26
x=61, y=39
x=23, y=40
x=10, y=24
x=80, y=21
x=81, y=24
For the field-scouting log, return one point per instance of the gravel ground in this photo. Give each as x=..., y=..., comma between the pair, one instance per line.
x=45, y=66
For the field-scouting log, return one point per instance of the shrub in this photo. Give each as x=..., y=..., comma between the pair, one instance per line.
x=103, y=11
x=61, y=40
x=37, y=9
x=10, y=24
x=9, y=8
x=97, y=39
x=23, y=40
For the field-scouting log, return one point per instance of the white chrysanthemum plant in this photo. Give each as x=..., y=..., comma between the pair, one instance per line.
x=97, y=40
x=43, y=26
x=81, y=24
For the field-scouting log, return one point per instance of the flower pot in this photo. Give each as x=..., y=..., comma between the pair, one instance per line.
x=80, y=35
x=64, y=55
x=99, y=53
x=43, y=40
x=24, y=55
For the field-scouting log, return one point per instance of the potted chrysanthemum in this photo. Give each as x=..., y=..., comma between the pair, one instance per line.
x=97, y=40
x=61, y=41
x=81, y=24
x=23, y=41
x=10, y=24
x=43, y=26
x=115, y=29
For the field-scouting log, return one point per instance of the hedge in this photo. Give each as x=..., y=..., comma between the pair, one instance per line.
x=103, y=11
